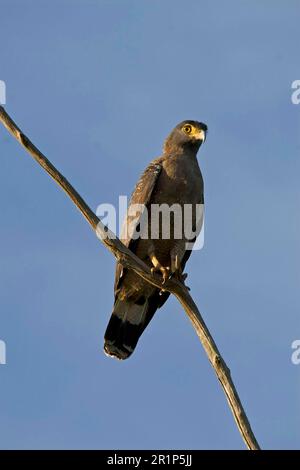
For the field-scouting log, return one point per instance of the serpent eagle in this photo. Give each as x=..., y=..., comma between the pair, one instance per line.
x=173, y=178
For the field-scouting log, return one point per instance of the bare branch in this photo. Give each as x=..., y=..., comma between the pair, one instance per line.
x=131, y=261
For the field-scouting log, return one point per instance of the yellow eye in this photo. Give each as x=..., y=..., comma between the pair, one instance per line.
x=187, y=129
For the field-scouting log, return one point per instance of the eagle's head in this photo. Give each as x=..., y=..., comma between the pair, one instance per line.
x=186, y=137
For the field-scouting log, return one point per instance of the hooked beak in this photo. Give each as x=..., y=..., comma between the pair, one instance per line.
x=201, y=135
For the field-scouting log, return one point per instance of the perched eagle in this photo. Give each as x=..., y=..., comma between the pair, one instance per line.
x=173, y=178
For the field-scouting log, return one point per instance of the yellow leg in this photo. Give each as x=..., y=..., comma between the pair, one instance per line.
x=176, y=268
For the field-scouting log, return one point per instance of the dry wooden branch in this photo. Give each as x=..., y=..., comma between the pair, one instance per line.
x=131, y=261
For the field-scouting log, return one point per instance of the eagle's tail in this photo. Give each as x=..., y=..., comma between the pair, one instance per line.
x=126, y=324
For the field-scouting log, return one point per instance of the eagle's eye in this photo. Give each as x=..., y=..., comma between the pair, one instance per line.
x=187, y=129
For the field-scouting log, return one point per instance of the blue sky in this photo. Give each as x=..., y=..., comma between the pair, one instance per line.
x=97, y=85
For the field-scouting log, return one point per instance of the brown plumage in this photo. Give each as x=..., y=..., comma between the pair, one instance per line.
x=173, y=178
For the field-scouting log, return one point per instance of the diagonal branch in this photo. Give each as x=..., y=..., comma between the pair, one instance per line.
x=131, y=261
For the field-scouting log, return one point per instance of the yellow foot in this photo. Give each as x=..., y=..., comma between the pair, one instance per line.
x=165, y=271
x=158, y=267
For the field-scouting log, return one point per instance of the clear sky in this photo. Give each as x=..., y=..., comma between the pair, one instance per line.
x=97, y=85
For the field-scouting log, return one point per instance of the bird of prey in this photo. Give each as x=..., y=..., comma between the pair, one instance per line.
x=173, y=178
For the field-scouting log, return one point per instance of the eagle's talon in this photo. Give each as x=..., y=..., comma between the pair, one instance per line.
x=184, y=276
x=157, y=267
x=164, y=271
